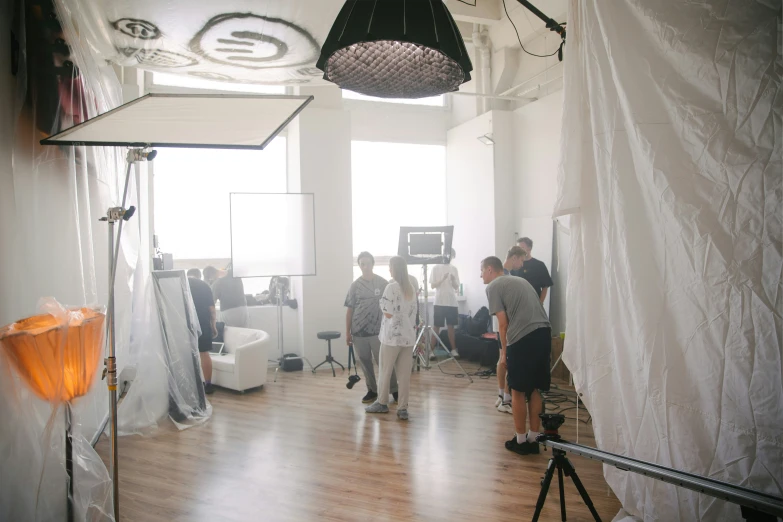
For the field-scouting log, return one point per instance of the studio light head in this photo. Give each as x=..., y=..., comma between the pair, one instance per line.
x=395, y=49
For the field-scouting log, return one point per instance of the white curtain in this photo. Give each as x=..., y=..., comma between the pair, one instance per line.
x=52, y=244
x=671, y=169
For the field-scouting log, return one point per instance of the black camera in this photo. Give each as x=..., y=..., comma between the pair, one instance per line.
x=551, y=422
x=353, y=379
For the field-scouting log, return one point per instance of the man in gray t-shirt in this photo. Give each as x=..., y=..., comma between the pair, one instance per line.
x=525, y=340
x=363, y=323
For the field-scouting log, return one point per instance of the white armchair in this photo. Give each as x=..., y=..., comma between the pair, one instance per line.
x=244, y=363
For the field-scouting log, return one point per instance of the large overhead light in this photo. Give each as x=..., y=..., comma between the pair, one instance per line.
x=395, y=49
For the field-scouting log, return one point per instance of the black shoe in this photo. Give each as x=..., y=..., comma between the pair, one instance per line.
x=526, y=448
x=209, y=389
x=396, y=396
x=370, y=397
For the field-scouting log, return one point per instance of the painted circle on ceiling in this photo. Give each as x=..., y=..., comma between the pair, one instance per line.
x=135, y=28
x=254, y=42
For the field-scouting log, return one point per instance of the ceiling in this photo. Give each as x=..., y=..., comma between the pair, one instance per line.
x=253, y=41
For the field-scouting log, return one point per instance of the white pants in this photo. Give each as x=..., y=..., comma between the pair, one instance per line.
x=365, y=348
x=400, y=360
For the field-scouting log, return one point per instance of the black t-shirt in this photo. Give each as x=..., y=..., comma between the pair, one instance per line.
x=535, y=273
x=202, y=299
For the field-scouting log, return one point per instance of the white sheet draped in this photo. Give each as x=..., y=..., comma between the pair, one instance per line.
x=671, y=167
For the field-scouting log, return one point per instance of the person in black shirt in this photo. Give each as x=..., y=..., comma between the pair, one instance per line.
x=205, y=310
x=533, y=270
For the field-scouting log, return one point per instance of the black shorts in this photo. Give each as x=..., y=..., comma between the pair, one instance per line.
x=205, y=343
x=527, y=362
x=446, y=315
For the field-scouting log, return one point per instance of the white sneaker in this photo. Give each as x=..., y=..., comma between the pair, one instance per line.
x=455, y=354
x=505, y=407
x=499, y=401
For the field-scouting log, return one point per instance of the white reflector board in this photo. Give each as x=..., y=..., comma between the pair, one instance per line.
x=225, y=121
x=272, y=234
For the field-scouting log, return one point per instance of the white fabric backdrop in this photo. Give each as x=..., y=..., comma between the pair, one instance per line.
x=671, y=167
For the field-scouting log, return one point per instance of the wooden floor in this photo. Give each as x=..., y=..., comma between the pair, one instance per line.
x=304, y=449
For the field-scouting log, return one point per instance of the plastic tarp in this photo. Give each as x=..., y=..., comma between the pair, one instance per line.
x=671, y=171
x=236, y=41
x=52, y=244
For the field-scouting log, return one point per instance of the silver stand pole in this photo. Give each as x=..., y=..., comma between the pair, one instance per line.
x=428, y=333
x=117, y=214
x=280, y=343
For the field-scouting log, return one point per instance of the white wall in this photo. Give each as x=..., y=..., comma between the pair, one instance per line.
x=397, y=123
x=470, y=207
x=536, y=129
x=536, y=155
x=464, y=108
x=506, y=205
x=324, y=159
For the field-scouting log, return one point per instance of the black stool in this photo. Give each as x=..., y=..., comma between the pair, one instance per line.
x=328, y=336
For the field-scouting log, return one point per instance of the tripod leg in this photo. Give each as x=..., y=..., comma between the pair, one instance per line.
x=451, y=358
x=562, y=493
x=571, y=472
x=550, y=471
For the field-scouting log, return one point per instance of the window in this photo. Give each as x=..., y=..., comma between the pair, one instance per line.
x=434, y=101
x=190, y=82
x=394, y=185
x=192, y=187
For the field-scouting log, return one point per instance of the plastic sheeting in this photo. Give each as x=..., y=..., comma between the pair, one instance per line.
x=671, y=167
x=56, y=354
x=51, y=243
x=236, y=41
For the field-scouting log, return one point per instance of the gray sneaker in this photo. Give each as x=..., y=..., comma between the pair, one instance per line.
x=377, y=407
x=402, y=414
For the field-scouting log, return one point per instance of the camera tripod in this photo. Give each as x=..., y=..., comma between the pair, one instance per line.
x=560, y=462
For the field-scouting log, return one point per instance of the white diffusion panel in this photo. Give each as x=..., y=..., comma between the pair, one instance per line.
x=272, y=234
x=229, y=121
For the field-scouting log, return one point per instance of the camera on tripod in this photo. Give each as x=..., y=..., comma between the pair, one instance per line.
x=551, y=422
x=352, y=379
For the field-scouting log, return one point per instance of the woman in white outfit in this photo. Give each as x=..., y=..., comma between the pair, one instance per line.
x=398, y=334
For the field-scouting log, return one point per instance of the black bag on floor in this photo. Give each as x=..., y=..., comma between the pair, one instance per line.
x=491, y=353
x=469, y=348
x=479, y=323
x=292, y=365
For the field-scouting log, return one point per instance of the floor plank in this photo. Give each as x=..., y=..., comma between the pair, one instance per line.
x=304, y=449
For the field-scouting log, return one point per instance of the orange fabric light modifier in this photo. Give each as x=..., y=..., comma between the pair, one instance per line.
x=57, y=360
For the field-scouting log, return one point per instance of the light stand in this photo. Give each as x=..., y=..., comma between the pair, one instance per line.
x=114, y=215
x=428, y=333
x=280, y=343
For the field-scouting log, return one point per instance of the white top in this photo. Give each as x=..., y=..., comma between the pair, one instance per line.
x=400, y=328
x=446, y=292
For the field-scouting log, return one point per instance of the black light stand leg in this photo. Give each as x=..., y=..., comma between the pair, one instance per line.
x=69, y=460
x=550, y=471
x=571, y=472
x=562, y=493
